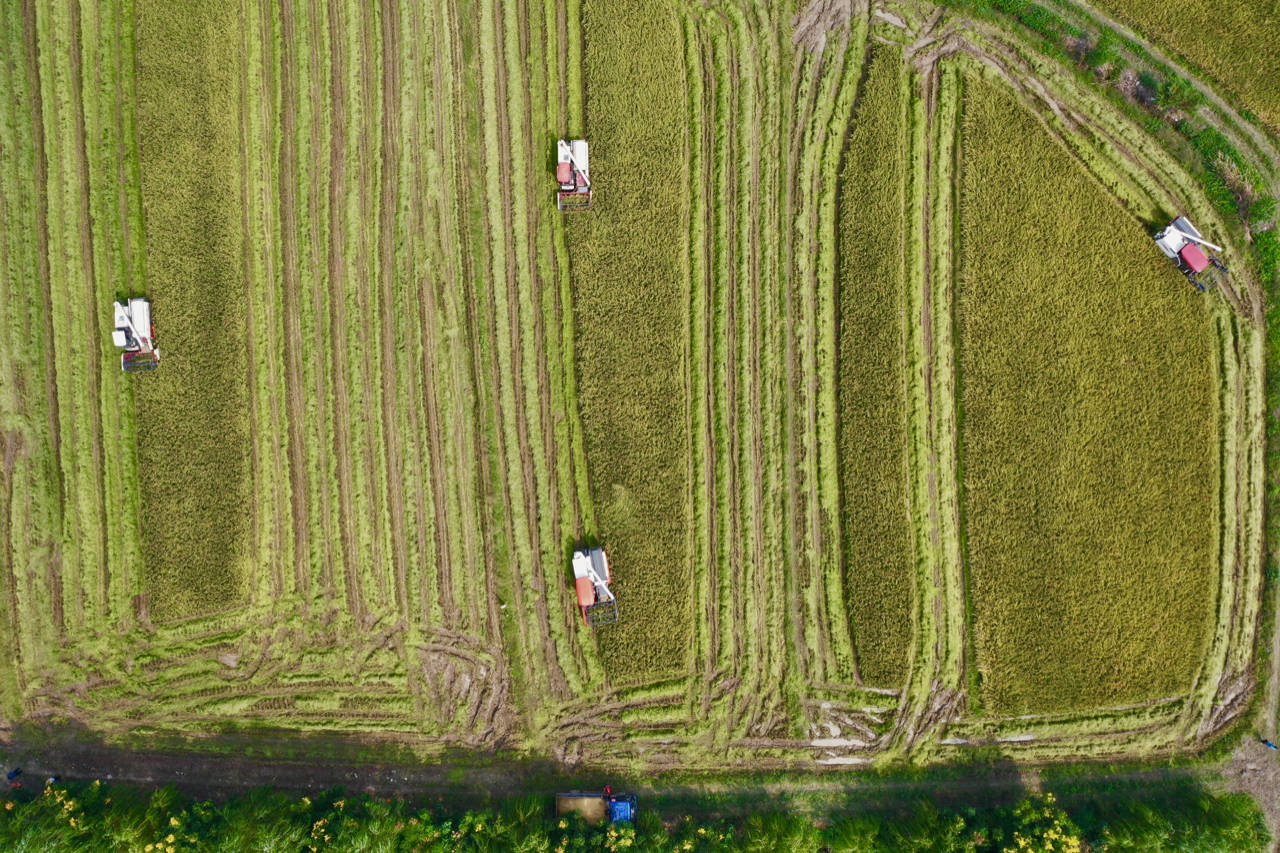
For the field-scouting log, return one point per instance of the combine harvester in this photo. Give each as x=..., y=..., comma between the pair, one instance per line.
x=597, y=808
x=1181, y=242
x=591, y=577
x=135, y=334
x=573, y=176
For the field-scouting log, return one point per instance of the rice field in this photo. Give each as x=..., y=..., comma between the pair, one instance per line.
x=1092, y=564
x=1232, y=42
x=782, y=370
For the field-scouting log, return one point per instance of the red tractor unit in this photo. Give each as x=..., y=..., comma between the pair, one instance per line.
x=1182, y=243
x=591, y=579
x=573, y=176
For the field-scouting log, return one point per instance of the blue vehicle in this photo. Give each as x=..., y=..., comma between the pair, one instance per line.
x=597, y=808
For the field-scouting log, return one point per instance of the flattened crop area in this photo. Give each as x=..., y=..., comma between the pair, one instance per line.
x=897, y=447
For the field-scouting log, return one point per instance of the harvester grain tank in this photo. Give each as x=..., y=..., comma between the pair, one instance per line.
x=135, y=334
x=597, y=808
x=573, y=175
x=1182, y=243
x=591, y=578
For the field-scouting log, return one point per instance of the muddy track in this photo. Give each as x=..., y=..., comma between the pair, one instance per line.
x=460, y=168
x=389, y=195
x=337, y=309
x=316, y=209
x=92, y=308
x=31, y=51
x=295, y=414
x=1255, y=144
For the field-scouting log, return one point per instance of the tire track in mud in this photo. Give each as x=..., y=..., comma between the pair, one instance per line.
x=299, y=493
x=337, y=309
x=731, y=390
x=792, y=512
x=31, y=53
x=472, y=298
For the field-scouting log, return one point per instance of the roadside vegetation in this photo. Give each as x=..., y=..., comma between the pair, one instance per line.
x=116, y=818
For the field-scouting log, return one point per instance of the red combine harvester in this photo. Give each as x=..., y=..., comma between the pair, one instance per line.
x=591, y=578
x=1181, y=242
x=135, y=334
x=573, y=176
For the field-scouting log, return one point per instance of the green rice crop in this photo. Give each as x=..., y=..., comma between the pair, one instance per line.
x=630, y=309
x=193, y=447
x=874, y=512
x=1088, y=437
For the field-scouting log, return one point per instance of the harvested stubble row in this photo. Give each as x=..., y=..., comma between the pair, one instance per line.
x=1088, y=438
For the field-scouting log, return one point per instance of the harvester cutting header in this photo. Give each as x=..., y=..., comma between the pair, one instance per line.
x=1182, y=243
x=573, y=175
x=135, y=334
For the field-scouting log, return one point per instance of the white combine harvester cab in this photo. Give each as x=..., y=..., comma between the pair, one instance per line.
x=573, y=175
x=1181, y=242
x=135, y=335
x=591, y=578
